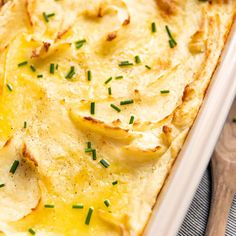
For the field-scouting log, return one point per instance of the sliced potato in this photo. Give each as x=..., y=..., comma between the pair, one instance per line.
x=20, y=194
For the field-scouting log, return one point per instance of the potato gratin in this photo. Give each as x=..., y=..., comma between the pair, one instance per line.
x=96, y=99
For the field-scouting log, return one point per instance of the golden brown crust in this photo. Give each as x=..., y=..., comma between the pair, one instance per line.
x=111, y=36
x=28, y=155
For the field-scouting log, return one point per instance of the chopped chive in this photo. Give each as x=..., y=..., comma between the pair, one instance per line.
x=57, y=66
x=125, y=63
x=234, y=120
x=51, y=15
x=23, y=63
x=49, y=206
x=164, y=91
x=89, y=215
x=92, y=108
x=32, y=68
x=115, y=182
x=47, y=16
x=137, y=60
x=31, y=231
x=9, y=87
x=71, y=73
x=94, y=154
x=88, y=150
x=2, y=185
x=126, y=102
x=131, y=121
x=119, y=77
x=89, y=75
x=172, y=41
x=115, y=108
x=109, y=91
x=107, y=81
x=154, y=28
x=148, y=67
x=79, y=44
x=14, y=166
x=25, y=124
x=52, y=68
x=78, y=206
x=107, y=203
x=89, y=144
x=105, y=163
x=39, y=76
x=168, y=31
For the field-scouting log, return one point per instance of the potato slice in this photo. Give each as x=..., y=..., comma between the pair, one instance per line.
x=20, y=194
x=99, y=127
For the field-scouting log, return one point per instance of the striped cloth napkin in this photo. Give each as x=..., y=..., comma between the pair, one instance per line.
x=196, y=219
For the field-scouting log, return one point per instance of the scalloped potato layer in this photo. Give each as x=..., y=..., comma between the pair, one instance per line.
x=96, y=100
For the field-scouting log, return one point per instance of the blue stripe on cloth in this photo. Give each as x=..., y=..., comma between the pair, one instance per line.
x=196, y=219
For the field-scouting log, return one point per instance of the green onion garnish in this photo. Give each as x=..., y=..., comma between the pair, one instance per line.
x=39, y=76
x=31, y=231
x=172, y=41
x=115, y=182
x=23, y=63
x=105, y=163
x=89, y=144
x=108, y=80
x=164, y=91
x=115, y=108
x=107, y=203
x=92, y=108
x=51, y=14
x=79, y=44
x=47, y=16
x=32, y=68
x=131, y=121
x=89, y=75
x=154, y=28
x=148, y=67
x=49, y=206
x=25, y=124
x=78, y=206
x=126, y=102
x=125, y=63
x=52, y=68
x=2, y=185
x=57, y=66
x=137, y=59
x=9, y=87
x=109, y=91
x=86, y=150
x=71, y=73
x=94, y=154
x=89, y=149
x=89, y=215
x=119, y=77
x=14, y=166
x=234, y=120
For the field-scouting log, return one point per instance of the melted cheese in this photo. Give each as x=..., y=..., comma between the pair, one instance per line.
x=48, y=117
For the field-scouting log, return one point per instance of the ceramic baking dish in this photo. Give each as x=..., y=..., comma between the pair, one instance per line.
x=175, y=198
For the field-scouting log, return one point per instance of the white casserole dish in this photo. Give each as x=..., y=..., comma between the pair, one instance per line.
x=175, y=198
